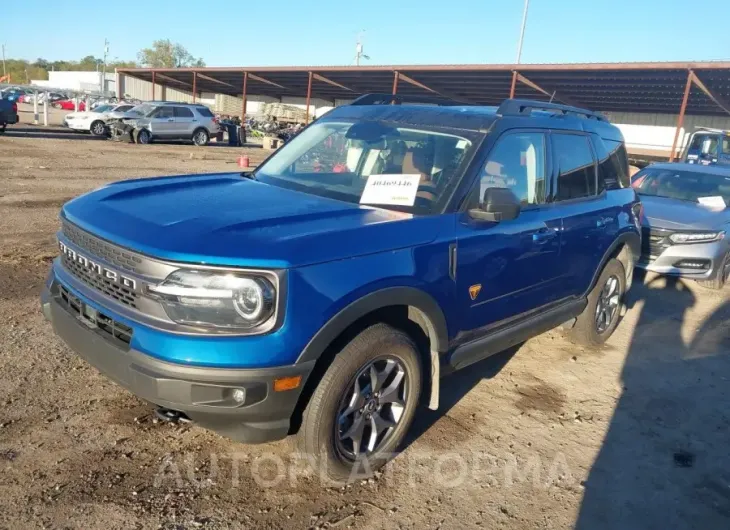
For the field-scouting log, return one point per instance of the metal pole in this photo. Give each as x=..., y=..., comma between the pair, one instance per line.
x=680, y=120
x=195, y=85
x=102, y=81
x=4, y=72
x=35, y=107
x=514, y=85
x=309, y=94
x=243, y=97
x=522, y=31
x=153, y=85
x=46, y=103
x=396, y=75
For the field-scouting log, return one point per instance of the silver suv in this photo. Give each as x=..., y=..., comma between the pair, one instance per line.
x=173, y=121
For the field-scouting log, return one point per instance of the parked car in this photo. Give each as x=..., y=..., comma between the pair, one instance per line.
x=95, y=121
x=167, y=121
x=69, y=104
x=708, y=147
x=324, y=292
x=8, y=113
x=685, y=222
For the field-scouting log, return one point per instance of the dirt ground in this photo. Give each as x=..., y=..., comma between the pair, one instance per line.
x=548, y=435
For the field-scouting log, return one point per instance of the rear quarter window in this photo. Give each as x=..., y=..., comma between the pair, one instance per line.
x=204, y=111
x=613, y=164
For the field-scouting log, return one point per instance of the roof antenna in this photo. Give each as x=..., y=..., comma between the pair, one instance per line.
x=359, y=53
x=553, y=96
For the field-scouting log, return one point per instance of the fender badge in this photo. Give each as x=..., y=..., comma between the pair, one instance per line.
x=474, y=290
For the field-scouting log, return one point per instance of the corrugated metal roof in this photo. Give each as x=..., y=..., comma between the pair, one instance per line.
x=621, y=87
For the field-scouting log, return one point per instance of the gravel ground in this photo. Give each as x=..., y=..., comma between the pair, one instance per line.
x=548, y=435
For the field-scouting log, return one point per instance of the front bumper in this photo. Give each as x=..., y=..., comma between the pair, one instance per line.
x=670, y=260
x=203, y=394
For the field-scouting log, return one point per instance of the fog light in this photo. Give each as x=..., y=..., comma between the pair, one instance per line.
x=692, y=264
x=238, y=395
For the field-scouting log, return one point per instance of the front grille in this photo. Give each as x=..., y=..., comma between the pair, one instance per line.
x=105, y=325
x=93, y=245
x=654, y=241
x=118, y=292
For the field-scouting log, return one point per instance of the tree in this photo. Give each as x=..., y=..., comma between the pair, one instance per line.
x=167, y=54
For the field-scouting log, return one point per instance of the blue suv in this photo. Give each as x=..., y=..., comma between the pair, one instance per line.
x=326, y=293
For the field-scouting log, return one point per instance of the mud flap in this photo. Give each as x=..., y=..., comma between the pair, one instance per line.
x=433, y=402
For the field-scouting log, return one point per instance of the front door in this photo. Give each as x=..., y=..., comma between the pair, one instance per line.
x=508, y=268
x=162, y=122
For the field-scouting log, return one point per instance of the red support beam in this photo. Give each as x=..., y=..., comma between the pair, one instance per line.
x=396, y=76
x=514, y=85
x=153, y=85
x=309, y=94
x=243, y=96
x=195, y=85
x=680, y=120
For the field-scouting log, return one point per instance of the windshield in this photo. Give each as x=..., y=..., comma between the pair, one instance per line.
x=103, y=108
x=705, y=188
x=392, y=166
x=142, y=110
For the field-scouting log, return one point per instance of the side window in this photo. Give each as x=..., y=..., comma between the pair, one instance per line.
x=613, y=167
x=163, y=112
x=183, y=112
x=516, y=162
x=577, y=169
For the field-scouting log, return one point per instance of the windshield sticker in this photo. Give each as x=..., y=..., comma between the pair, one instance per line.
x=397, y=190
x=714, y=203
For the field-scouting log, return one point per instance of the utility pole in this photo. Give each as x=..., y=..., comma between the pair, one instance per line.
x=102, y=80
x=4, y=72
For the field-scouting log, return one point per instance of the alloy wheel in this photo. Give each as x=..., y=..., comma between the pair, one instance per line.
x=371, y=408
x=608, y=304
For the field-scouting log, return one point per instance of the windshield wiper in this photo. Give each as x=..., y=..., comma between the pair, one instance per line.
x=248, y=175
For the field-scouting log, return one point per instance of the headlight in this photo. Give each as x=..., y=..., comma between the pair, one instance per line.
x=696, y=237
x=219, y=300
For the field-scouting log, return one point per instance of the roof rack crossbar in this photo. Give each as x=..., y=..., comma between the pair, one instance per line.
x=397, y=99
x=524, y=107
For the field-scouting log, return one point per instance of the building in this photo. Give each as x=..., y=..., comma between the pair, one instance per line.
x=79, y=82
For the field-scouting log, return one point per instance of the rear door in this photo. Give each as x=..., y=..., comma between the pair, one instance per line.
x=590, y=217
x=184, y=122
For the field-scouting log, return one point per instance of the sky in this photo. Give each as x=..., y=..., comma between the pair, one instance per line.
x=324, y=32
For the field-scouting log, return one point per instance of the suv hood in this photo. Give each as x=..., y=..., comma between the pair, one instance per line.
x=224, y=219
x=672, y=214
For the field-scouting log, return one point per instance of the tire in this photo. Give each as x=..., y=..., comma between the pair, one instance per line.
x=322, y=439
x=98, y=128
x=56, y=105
x=588, y=329
x=721, y=277
x=200, y=137
x=144, y=137
x=3, y=127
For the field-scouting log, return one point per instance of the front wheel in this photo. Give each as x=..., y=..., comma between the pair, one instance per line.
x=201, y=137
x=144, y=137
x=723, y=273
x=599, y=319
x=363, y=406
x=98, y=128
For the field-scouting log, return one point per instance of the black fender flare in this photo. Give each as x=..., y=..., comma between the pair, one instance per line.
x=422, y=309
x=633, y=241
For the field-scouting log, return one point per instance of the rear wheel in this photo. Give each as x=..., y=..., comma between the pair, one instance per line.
x=3, y=127
x=599, y=319
x=98, y=128
x=363, y=406
x=200, y=137
x=723, y=273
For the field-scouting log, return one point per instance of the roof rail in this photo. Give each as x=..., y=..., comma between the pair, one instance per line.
x=397, y=99
x=711, y=129
x=524, y=107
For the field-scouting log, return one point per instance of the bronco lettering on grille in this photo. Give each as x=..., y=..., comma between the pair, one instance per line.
x=97, y=268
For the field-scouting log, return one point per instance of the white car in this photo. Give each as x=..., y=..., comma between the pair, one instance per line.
x=95, y=120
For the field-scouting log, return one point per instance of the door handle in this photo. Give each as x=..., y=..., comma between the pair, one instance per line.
x=543, y=236
x=171, y=119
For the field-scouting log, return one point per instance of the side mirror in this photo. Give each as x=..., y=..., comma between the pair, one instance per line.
x=499, y=204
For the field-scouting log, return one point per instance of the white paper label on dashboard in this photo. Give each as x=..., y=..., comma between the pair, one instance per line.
x=398, y=190
x=713, y=203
